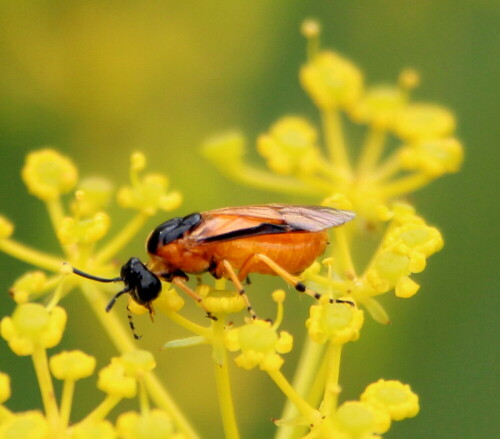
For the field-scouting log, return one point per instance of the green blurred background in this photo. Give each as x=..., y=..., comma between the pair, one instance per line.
x=100, y=79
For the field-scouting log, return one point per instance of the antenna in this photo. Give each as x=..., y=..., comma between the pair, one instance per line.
x=111, y=303
x=96, y=278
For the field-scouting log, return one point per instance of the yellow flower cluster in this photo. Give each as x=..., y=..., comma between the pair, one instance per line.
x=407, y=145
x=30, y=331
x=380, y=404
x=33, y=328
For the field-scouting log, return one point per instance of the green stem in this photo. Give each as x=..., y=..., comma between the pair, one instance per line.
x=304, y=408
x=346, y=265
x=372, y=151
x=103, y=409
x=261, y=179
x=188, y=324
x=332, y=388
x=390, y=167
x=335, y=142
x=41, y=366
x=223, y=383
x=305, y=374
x=56, y=213
x=30, y=255
x=66, y=402
x=404, y=185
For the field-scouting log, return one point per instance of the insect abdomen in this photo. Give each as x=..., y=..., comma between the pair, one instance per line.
x=292, y=251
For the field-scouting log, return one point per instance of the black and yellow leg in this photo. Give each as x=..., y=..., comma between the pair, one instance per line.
x=131, y=324
x=181, y=283
x=290, y=279
x=229, y=270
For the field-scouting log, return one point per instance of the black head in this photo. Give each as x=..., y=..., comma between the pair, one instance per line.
x=171, y=230
x=143, y=285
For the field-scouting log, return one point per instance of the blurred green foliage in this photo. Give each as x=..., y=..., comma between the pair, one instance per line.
x=100, y=79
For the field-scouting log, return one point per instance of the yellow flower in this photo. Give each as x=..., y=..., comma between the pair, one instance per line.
x=169, y=299
x=86, y=231
x=392, y=396
x=154, y=424
x=29, y=284
x=32, y=324
x=148, y=194
x=404, y=250
x=336, y=322
x=114, y=381
x=91, y=429
x=424, y=121
x=25, y=425
x=259, y=344
x=332, y=81
x=290, y=146
x=225, y=149
x=137, y=363
x=434, y=157
x=93, y=195
x=380, y=106
x=358, y=419
x=48, y=174
x=4, y=387
x=220, y=301
x=72, y=365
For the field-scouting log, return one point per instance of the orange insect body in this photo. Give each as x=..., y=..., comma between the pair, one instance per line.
x=291, y=236
x=276, y=239
x=293, y=252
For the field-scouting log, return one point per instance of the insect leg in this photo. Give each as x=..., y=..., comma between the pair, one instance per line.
x=290, y=279
x=180, y=282
x=228, y=268
x=131, y=324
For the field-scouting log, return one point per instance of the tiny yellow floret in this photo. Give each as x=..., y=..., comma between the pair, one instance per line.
x=290, y=146
x=394, y=397
x=424, y=121
x=310, y=28
x=409, y=79
x=279, y=296
x=114, y=381
x=25, y=425
x=259, y=344
x=434, y=157
x=137, y=363
x=155, y=424
x=29, y=284
x=32, y=324
x=137, y=161
x=94, y=196
x=149, y=195
x=332, y=81
x=91, y=429
x=72, y=365
x=5, y=391
x=6, y=228
x=87, y=231
x=380, y=106
x=48, y=174
x=221, y=301
x=335, y=322
x=358, y=419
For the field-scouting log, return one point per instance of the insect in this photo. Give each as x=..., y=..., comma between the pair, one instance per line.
x=233, y=242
